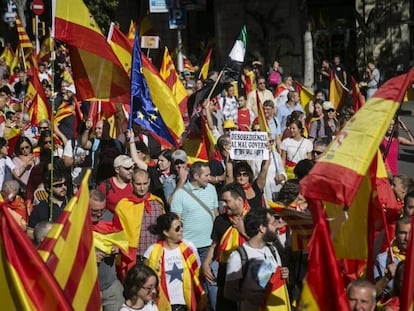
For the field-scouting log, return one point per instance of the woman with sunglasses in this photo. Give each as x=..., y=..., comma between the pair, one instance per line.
x=24, y=160
x=325, y=126
x=177, y=265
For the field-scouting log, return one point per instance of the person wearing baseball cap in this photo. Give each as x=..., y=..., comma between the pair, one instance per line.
x=326, y=126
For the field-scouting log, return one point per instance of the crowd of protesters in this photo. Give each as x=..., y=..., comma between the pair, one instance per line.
x=191, y=225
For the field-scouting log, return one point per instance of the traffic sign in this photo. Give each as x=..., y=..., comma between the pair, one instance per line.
x=38, y=7
x=178, y=18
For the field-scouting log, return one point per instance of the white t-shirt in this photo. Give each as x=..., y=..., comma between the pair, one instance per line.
x=262, y=264
x=77, y=172
x=3, y=163
x=150, y=306
x=174, y=272
x=295, y=153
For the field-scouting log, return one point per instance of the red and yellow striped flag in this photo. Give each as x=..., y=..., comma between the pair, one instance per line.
x=276, y=295
x=36, y=100
x=121, y=46
x=45, y=49
x=131, y=31
x=326, y=293
x=357, y=99
x=337, y=91
x=69, y=253
x=24, y=40
x=206, y=65
x=264, y=127
x=169, y=74
x=27, y=283
x=97, y=72
x=305, y=95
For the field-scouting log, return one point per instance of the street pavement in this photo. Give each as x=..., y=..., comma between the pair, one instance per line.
x=406, y=155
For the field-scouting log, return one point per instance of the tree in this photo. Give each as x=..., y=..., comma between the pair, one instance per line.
x=103, y=12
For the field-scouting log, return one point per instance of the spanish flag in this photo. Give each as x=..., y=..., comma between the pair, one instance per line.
x=121, y=46
x=69, y=253
x=7, y=55
x=350, y=178
x=407, y=295
x=264, y=127
x=276, y=294
x=338, y=93
x=36, y=100
x=327, y=292
x=97, y=72
x=305, y=95
x=357, y=99
x=131, y=31
x=45, y=49
x=206, y=65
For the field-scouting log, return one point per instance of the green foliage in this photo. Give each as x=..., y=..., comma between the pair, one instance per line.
x=103, y=11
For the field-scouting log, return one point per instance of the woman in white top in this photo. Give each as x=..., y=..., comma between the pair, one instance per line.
x=295, y=148
x=140, y=288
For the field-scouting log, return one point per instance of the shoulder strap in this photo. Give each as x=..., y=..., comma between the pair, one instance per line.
x=318, y=128
x=244, y=260
x=273, y=251
x=199, y=202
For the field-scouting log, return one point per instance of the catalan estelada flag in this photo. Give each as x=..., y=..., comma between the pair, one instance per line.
x=97, y=72
x=26, y=282
x=351, y=179
x=36, y=101
x=169, y=74
x=327, y=292
x=206, y=65
x=69, y=253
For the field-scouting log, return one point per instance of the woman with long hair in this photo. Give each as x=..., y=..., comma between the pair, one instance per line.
x=176, y=263
x=295, y=148
x=24, y=160
x=140, y=288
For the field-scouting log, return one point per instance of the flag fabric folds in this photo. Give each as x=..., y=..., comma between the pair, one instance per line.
x=206, y=65
x=350, y=178
x=143, y=110
x=27, y=283
x=357, y=98
x=24, y=40
x=327, y=292
x=36, y=101
x=121, y=46
x=7, y=55
x=338, y=93
x=305, y=95
x=69, y=253
x=169, y=74
x=97, y=72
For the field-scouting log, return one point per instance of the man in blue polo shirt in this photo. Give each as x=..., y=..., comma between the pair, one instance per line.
x=285, y=110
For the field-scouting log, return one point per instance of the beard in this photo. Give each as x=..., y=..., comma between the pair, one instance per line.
x=269, y=236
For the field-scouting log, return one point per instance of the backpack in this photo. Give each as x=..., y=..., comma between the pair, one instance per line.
x=245, y=259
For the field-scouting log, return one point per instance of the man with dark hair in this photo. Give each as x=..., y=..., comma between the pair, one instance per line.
x=250, y=268
x=384, y=268
x=57, y=189
x=286, y=109
x=361, y=295
x=409, y=204
x=196, y=203
x=227, y=235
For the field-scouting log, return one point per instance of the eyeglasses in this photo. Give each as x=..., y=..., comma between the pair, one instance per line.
x=48, y=142
x=178, y=228
x=330, y=110
x=43, y=127
x=59, y=185
x=244, y=174
x=149, y=289
x=24, y=147
x=317, y=152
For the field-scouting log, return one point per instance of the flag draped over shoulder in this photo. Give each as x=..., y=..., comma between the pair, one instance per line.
x=327, y=292
x=350, y=178
x=156, y=111
x=305, y=95
x=229, y=73
x=338, y=93
x=36, y=100
x=27, y=283
x=206, y=65
x=407, y=294
x=169, y=74
x=96, y=70
x=69, y=253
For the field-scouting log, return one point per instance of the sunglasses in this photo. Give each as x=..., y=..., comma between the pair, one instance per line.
x=317, y=152
x=178, y=228
x=330, y=110
x=43, y=127
x=48, y=142
x=240, y=174
x=59, y=185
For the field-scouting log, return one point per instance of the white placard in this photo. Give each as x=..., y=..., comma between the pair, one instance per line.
x=158, y=6
x=150, y=42
x=249, y=145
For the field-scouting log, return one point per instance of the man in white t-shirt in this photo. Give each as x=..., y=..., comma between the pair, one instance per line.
x=249, y=287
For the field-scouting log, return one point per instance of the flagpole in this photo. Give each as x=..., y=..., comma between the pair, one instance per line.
x=215, y=84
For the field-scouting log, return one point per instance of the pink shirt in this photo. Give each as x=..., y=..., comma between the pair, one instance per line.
x=392, y=157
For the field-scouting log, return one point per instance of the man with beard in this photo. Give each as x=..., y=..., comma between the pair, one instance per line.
x=42, y=211
x=250, y=269
x=384, y=269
